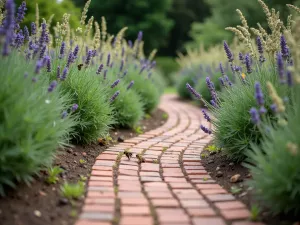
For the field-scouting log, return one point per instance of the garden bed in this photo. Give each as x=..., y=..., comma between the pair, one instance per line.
x=222, y=170
x=41, y=203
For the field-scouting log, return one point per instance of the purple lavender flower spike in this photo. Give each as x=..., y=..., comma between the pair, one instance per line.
x=115, y=83
x=108, y=60
x=206, y=116
x=19, y=39
x=75, y=52
x=140, y=36
x=38, y=66
x=142, y=69
x=33, y=28
x=222, y=81
x=284, y=48
x=123, y=52
x=213, y=103
x=42, y=52
x=65, y=73
x=70, y=59
x=43, y=38
x=259, y=96
x=262, y=110
x=74, y=107
x=20, y=15
x=125, y=73
x=88, y=57
x=228, y=52
x=105, y=74
x=99, y=69
x=289, y=78
x=248, y=63
x=58, y=72
x=130, y=84
x=48, y=64
x=122, y=65
x=222, y=69
x=26, y=33
x=130, y=44
x=111, y=65
x=62, y=50
x=7, y=27
x=280, y=67
x=241, y=57
x=206, y=130
x=259, y=45
x=193, y=91
x=114, y=96
x=52, y=86
x=273, y=107
x=255, y=118
x=64, y=114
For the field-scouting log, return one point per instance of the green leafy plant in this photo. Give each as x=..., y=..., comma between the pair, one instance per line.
x=138, y=130
x=147, y=116
x=82, y=161
x=204, y=155
x=72, y=191
x=235, y=190
x=83, y=178
x=53, y=173
x=212, y=148
x=155, y=161
x=165, y=116
x=32, y=128
x=254, y=212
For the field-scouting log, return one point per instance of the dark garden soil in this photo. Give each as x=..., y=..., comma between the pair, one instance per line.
x=41, y=203
x=223, y=171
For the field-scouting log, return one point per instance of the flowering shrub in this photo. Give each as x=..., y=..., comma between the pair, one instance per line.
x=76, y=87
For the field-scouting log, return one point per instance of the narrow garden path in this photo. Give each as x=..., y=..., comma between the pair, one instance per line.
x=170, y=188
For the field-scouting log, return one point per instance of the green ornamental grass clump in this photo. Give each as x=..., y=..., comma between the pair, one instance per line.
x=35, y=119
x=95, y=112
x=147, y=90
x=181, y=86
x=128, y=106
x=274, y=164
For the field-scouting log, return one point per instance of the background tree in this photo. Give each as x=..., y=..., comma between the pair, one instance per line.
x=148, y=16
x=50, y=7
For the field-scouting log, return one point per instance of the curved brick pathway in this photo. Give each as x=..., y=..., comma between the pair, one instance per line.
x=170, y=188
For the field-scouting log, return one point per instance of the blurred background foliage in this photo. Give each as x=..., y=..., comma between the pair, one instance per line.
x=168, y=25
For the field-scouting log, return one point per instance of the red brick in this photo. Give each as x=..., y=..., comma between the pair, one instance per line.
x=101, y=173
x=93, y=183
x=90, y=222
x=136, y=220
x=99, y=208
x=194, y=203
x=124, y=194
x=201, y=212
x=150, y=179
x=173, y=219
x=99, y=194
x=94, y=178
x=208, y=221
x=229, y=205
x=106, y=157
x=152, y=195
x=194, y=167
x=150, y=167
x=213, y=191
x=180, y=185
x=135, y=210
x=128, y=172
x=247, y=223
x=128, y=187
x=101, y=201
x=124, y=177
x=220, y=197
x=174, y=179
x=95, y=167
x=167, y=174
x=196, y=172
x=165, y=202
x=128, y=167
x=134, y=201
x=235, y=214
x=208, y=186
x=149, y=174
x=172, y=170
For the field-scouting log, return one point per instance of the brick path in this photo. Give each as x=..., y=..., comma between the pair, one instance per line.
x=170, y=188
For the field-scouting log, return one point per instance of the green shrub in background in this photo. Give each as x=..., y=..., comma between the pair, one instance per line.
x=33, y=121
x=168, y=66
x=181, y=86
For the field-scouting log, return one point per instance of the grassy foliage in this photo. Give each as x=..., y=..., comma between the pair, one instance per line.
x=31, y=124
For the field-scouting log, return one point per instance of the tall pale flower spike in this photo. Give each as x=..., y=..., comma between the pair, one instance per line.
x=84, y=12
x=275, y=98
x=103, y=28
